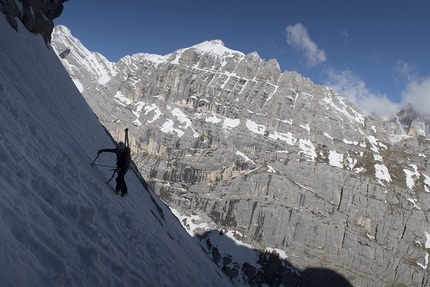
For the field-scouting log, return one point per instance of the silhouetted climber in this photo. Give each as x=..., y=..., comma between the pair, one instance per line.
x=122, y=152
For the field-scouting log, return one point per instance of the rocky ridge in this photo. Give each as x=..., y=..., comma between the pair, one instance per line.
x=37, y=16
x=282, y=163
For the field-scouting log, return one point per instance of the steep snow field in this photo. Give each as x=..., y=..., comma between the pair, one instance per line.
x=60, y=224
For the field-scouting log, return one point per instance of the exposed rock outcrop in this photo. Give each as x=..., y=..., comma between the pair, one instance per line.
x=36, y=15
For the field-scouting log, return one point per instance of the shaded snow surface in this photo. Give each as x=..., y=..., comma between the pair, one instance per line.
x=60, y=224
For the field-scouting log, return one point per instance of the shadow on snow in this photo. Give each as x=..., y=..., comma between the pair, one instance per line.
x=249, y=267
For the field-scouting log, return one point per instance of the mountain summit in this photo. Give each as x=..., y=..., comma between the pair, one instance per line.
x=216, y=47
x=280, y=164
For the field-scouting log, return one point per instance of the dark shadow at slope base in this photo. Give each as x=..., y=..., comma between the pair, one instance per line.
x=255, y=268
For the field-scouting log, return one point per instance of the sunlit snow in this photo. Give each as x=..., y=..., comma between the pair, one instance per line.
x=411, y=176
x=327, y=135
x=244, y=156
x=288, y=138
x=414, y=202
x=306, y=127
x=213, y=119
x=255, y=128
x=307, y=149
x=381, y=172
x=426, y=182
x=374, y=143
x=350, y=142
x=78, y=84
x=139, y=106
x=426, y=261
x=229, y=124
x=216, y=47
x=92, y=61
x=344, y=110
x=377, y=157
x=122, y=99
x=351, y=162
x=167, y=127
x=155, y=109
x=271, y=169
x=335, y=159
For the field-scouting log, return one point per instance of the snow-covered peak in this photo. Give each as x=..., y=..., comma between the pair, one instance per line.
x=216, y=47
x=156, y=59
x=93, y=62
x=213, y=49
x=60, y=29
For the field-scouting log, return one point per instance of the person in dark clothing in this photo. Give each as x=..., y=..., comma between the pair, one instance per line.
x=123, y=163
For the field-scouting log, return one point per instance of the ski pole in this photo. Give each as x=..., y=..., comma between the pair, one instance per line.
x=103, y=165
x=107, y=182
x=95, y=159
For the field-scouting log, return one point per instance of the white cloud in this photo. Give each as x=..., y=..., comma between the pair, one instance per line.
x=417, y=93
x=343, y=33
x=346, y=83
x=350, y=86
x=405, y=69
x=298, y=38
x=353, y=88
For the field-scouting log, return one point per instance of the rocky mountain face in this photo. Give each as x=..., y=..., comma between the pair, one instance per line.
x=408, y=122
x=36, y=15
x=288, y=167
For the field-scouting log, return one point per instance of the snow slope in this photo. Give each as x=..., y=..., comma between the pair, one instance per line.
x=60, y=224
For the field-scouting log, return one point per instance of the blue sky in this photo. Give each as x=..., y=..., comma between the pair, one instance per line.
x=375, y=53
